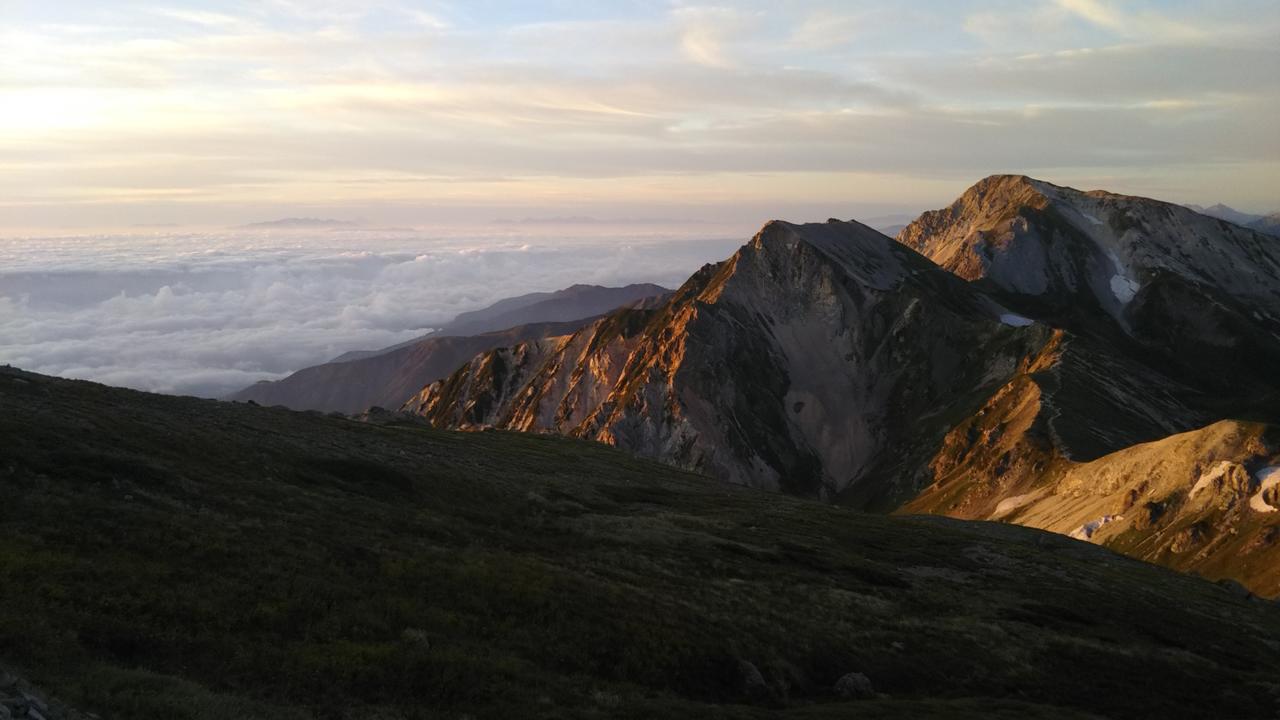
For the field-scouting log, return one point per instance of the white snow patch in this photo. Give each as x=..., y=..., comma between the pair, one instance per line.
x=1122, y=286
x=1207, y=478
x=1092, y=218
x=1086, y=531
x=1013, y=320
x=1010, y=504
x=1268, y=478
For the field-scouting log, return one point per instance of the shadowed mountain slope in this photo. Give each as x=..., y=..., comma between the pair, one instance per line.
x=182, y=558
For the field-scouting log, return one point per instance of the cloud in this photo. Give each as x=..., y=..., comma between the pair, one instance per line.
x=1096, y=12
x=706, y=33
x=208, y=314
x=394, y=103
x=1151, y=24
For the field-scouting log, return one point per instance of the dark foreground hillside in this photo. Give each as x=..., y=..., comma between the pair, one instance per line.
x=176, y=558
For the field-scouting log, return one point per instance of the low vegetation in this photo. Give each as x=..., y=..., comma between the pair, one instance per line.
x=169, y=557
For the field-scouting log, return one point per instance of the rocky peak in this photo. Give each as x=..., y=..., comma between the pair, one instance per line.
x=1143, y=273
x=845, y=347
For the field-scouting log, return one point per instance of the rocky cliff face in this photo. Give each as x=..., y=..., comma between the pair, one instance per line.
x=1198, y=295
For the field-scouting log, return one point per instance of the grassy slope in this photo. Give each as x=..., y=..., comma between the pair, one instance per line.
x=177, y=558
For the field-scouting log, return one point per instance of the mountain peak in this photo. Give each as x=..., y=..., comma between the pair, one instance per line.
x=1114, y=266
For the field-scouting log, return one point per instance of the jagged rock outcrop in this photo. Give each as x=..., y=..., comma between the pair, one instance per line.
x=390, y=378
x=387, y=378
x=1196, y=296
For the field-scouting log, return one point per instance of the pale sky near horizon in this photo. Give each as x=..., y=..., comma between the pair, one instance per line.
x=116, y=113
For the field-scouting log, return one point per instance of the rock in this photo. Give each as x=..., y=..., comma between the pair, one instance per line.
x=35, y=702
x=1263, y=539
x=854, y=686
x=1189, y=537
x=1148, y=515
x=753, y=683
x=416, y=637
x=6, y=679
x=5, y=714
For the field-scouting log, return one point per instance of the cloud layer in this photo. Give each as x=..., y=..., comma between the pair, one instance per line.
x=207, y=315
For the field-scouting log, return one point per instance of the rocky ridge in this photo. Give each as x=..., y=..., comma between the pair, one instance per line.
x=385, y=378
x=846, y=346
x=1193, y=295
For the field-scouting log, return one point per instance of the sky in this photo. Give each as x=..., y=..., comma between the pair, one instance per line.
x=119, y=114
x=138, y=137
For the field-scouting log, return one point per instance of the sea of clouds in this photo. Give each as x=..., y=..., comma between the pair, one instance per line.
x=207, y=314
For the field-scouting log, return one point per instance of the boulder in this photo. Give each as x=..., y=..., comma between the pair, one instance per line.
x=854, y=686
x=753, y=683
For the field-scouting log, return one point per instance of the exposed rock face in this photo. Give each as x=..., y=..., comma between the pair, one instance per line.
x=1199, y=294
x=1173, y=326
x=806, y=362
x=359, y=380
x=1200, y=500
x=387, y=379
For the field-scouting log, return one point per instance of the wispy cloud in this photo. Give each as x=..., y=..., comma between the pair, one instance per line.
x=1151, y=24
x=231, y=104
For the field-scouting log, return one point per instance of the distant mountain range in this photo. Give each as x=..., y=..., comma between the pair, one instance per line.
x=300, y=223
x=1269, y=224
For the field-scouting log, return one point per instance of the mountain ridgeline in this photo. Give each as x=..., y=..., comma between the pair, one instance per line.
x=358, y=380
x=1008, y=357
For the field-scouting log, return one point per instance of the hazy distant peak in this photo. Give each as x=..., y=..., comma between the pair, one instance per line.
x=1225, y=212
x=300, y=223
